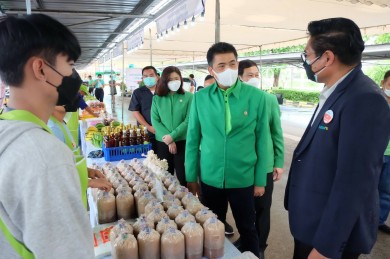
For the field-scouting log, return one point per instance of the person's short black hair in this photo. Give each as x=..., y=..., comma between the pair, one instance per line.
x=220, y=48
x=192, y=76
x=90, y=76
x=32, y=35
x=341, y=36
x=99, y=75
x=208, y=77
x=247, y=63
x=387, y=75
x=150, y=67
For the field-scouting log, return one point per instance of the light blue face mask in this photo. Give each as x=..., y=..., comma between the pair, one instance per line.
x=150, y=81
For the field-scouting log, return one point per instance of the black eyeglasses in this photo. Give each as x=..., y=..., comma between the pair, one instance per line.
x=308, y=62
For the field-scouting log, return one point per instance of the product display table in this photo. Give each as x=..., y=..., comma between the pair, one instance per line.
x=101, y=232
x=102, y=240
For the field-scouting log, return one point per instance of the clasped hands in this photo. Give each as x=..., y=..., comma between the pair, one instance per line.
x=168, y=140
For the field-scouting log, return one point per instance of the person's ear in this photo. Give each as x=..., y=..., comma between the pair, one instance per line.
x=37, y=65
x=330, y=57
x=211, y=71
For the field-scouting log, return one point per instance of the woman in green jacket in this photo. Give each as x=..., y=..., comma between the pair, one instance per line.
x=170, y=111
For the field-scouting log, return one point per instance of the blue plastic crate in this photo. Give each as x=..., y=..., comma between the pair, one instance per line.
x=126, y=153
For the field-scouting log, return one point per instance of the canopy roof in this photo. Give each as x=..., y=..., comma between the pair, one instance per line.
x=248, y=24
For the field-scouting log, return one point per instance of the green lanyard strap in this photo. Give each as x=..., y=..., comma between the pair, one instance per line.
x=18, y=246
x=68, y=140
x=22, y=115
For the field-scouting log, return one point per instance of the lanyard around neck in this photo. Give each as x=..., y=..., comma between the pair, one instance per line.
x=23, y=115
x=68, y=140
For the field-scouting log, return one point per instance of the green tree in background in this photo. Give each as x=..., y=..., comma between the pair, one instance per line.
x=276, y=70
x=276, y=76
x=383, y=39
x=376, y=73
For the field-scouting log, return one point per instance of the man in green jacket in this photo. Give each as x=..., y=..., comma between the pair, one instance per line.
x=229, y=121
x=249, y=73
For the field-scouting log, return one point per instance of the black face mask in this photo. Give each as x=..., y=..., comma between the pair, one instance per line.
x=310, y=74
x=69, y=87
x=73, y=106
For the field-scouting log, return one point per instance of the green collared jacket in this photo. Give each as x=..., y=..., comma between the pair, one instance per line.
x=170, y=115
x=276, y=130
x=239, y=159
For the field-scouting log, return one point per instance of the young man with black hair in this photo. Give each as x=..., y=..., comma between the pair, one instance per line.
x=141, y=101
x=193, y=88
x=99, y=88
x=332, y=189
x=229, y=121
x=90, y=84
x=249, y=73
x=41, y=209
x=208, y=80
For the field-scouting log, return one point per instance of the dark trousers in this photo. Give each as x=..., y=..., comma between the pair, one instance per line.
x=263, y=212
x=90, y=89
x=302, y=251
x=99, y=94
x=153, y=141
x=241, y=203
x=175, y=162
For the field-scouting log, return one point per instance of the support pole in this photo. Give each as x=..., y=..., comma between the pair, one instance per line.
x=123, y=77
x=151, y=47
x=217, y=21
x=28, y=6
x=261, y=68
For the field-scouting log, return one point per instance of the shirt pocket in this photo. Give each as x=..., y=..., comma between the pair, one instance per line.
x=241, y=116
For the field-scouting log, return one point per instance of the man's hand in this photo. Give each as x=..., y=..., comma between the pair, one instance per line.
x=167, y=139
x=259, y=191
x=314, y=254
x=172, y=148
x=100, y=183
x=278, y=173
x=151, y=129
x=194, y=188
x=93, y=173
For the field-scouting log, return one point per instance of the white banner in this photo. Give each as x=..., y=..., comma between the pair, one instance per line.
x=136, y=40
x=107, y=57
x=183, y=10
x=133, y=78
x=118, y=50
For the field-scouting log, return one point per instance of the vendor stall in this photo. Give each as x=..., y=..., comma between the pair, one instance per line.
x=145, y=176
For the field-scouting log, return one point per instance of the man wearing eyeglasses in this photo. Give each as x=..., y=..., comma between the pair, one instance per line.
x=331, y=194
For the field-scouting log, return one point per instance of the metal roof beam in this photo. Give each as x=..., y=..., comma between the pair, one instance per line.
x=91, y=22
x=371, y=52
x=85, y=14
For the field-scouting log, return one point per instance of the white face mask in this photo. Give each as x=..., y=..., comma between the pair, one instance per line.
x=174, y=85
x=254, y=81
x=387, y=92
x=227, y=78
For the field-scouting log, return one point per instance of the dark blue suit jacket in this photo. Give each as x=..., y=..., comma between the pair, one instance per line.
x=332, y=189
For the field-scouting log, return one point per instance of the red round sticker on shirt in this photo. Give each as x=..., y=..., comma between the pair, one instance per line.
x=328, y=116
